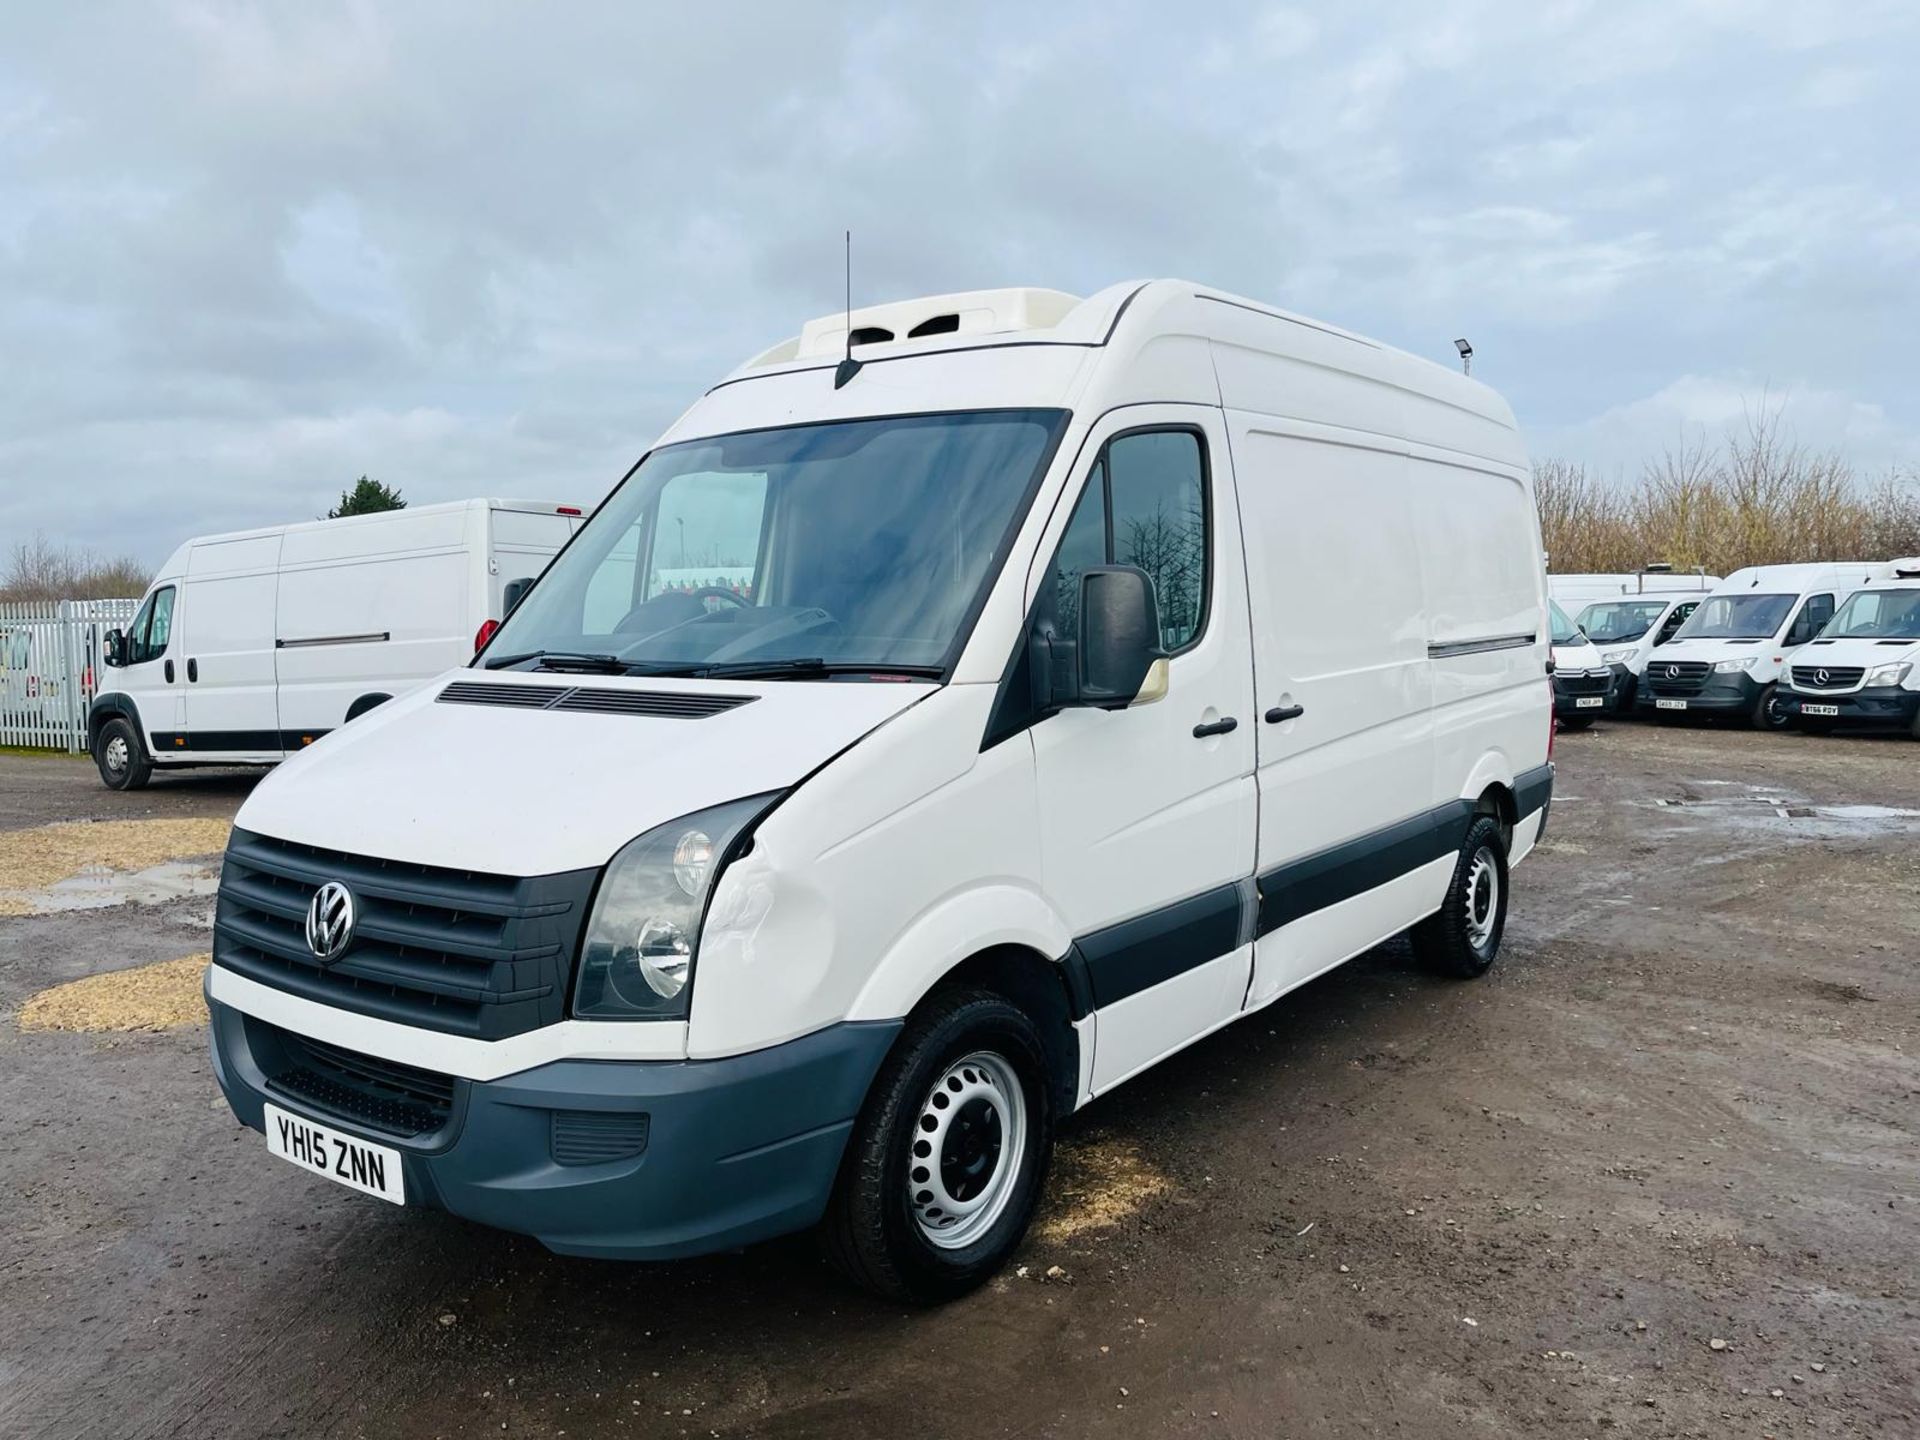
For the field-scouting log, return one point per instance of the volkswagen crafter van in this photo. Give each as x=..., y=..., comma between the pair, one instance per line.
x=1726, y=659
x=1084, y=675
x=1863, y=670
x=1582, y=683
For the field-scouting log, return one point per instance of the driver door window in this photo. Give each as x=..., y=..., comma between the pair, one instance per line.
x=1674, y=621
x=1812, y=618
x=151, y=629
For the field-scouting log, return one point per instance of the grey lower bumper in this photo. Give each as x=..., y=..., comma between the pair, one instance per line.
x=735, y=1150
x=1879, y=707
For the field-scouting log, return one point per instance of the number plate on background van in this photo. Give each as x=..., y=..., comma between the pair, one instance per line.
x=373, y=1169
x=1809, y=709
x=1589, y=702
x=1669, y=704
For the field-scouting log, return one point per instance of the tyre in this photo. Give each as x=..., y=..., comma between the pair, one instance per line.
x=1577, y=722
x=123, y=764
x=1462, y=937
x=946, y=1162
x=1768, y=713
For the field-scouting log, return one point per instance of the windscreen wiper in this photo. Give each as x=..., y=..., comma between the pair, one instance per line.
x=804, y=666
x=565, y=660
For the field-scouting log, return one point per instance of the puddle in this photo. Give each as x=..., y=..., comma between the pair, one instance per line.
x=1786, y=813
x=165, y=996
x=98, y=886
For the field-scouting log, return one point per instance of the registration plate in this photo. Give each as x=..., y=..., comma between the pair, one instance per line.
x=1589, y=702
x=1807, y=707
x=372, y=1169
x=1669, y=704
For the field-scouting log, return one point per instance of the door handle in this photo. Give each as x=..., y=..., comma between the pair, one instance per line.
x=193, y=669
x=1225, y=725
x=169, y=672
x=1285, y=712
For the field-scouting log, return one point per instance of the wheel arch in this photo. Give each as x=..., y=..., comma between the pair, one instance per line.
x=364, y=703
x=111, y=705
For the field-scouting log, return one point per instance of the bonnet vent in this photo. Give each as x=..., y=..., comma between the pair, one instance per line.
x=595, y=699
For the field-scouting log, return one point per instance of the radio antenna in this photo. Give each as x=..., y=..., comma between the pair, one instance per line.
x=849, y=367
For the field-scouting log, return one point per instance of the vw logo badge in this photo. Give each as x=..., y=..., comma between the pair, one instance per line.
x=1819, y=677
x=330, y=922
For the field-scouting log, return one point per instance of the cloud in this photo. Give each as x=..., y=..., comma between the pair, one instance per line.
x=248, y=254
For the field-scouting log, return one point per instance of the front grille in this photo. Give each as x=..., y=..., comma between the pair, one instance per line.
x=594, y=699
x=1828, y=677
x=1676, y=677
x=380, y=1094
x=454, y=950
x=1571, y=684
x=593, y=1137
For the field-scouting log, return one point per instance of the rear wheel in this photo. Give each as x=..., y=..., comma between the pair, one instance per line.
x=123, y=765
x=946, y=1162
x=1463, y=936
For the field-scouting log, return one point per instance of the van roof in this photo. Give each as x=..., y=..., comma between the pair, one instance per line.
x=1130, y=343
x=535, y=507
x=1797, y=579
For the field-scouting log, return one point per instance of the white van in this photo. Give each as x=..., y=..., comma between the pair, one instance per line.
x=1726, y=658
x=252, y=645
x=1582, y=683
x=1073, y=678
x=1863, y=670
x=1626, y=628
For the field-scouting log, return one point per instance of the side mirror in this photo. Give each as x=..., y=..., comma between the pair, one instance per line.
x=1120, y=661
x=515, y=592
x=115, y=651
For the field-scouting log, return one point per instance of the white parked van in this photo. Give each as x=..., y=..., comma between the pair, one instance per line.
x=1582, y=683
x=1726, y=658
x=1626, y=626
x=252, y=645
x=1072, y=678
x=1863, y=670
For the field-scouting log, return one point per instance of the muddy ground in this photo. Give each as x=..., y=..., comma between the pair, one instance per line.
x=1683, y=1109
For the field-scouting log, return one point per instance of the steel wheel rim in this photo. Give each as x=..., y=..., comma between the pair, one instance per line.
x=1483, y=897
x=117, y=753
x=968, y=1143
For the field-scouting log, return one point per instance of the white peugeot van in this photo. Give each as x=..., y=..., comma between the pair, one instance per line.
x=252, y=645
x=1863, y=670
x=1582, y=683
x=1726, y=659
x=1085, y=675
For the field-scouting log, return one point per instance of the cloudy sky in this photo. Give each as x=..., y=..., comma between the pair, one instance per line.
x=248, y=253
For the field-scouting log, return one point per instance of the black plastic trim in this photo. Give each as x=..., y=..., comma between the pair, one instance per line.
x=1298, y=888
x=1136, y=954
x=1448, y=649
x=372, y=637
x=1532, y=789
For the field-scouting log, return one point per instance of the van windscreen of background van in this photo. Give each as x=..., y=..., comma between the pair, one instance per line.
x=1877, y=615
x=1609, y=622
x=1736, y=617
x=857, y=545
x=1563, y=631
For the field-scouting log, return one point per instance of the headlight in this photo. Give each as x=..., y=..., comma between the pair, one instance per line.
x=1616, y=657
x=1727, y=667
x=644, y=934
x=1893, y=674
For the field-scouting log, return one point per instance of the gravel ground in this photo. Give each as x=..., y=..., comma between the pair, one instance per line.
x=1657, y=1175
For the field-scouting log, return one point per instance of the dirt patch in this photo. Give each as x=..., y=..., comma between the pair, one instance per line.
x=1096, y=1185
x=34, y=860
x=166, y=996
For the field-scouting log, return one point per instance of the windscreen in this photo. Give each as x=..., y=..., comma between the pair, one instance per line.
x=1608, y=622
x=864, y=543
x=1877, y=615
x=1564, y=631
x=1737, y=617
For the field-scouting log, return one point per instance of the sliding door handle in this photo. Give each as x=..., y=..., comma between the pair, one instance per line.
x=193, y=669
x=1225, y=725
x=1285, y=712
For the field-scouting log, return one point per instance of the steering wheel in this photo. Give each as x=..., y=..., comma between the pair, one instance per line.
x=719, y=592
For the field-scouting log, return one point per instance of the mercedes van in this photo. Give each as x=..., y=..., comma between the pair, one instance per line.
x=1625, y=632
x=250, y=646
x=1082, y=676
x=1582, y=683
x=1863, y=670
x=1726, y=659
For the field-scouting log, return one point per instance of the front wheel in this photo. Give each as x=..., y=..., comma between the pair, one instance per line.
x=946, y=1162
x=1462, y=937
x=1769, y=711
x=1576, y=722
x=123, y=765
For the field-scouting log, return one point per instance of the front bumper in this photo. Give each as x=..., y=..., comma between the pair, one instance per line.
x=734, y=1150
x=1570, y=690
x=1877, y=707
x=1733, y=693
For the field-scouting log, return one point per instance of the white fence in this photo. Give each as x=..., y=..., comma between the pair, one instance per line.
x=50, y=668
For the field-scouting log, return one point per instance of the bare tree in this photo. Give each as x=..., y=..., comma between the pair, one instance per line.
x=37, y=569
